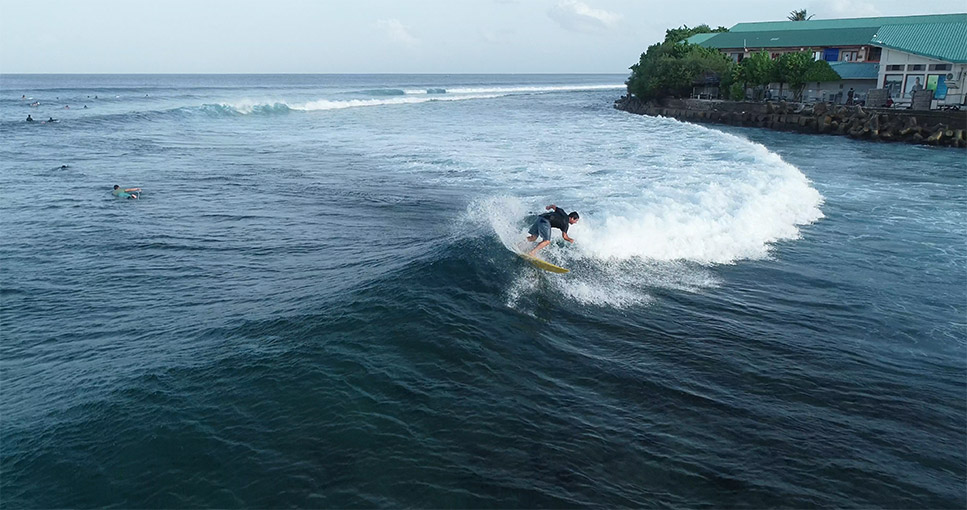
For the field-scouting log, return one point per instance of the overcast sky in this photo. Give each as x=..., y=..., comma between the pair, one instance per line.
x=374, y=36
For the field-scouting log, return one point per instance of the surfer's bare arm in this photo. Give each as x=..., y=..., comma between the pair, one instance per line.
x=551, y=207
x=567, y=238
x=132, y=189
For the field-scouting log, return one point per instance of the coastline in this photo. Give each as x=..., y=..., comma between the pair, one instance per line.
x=939, y=128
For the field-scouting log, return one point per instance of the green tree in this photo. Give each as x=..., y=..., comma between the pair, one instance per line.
x=800, y=68
x=670, y=69
x=674, y=35
x=799, y=15
x=758, y=71
x=736, y=92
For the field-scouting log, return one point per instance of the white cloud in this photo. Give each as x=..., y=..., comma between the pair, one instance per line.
x=396, y=31
x=579, y=17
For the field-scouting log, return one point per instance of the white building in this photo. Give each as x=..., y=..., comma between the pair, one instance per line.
x=897, y=53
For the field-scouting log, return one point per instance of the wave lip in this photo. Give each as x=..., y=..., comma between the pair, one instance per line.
x=384, y=92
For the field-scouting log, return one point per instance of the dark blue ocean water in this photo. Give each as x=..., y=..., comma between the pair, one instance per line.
x=314, y=303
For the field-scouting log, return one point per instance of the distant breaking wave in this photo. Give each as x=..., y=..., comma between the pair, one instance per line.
x=407, y=96
x=385, y=97
x=517, y=90
x=486, y=90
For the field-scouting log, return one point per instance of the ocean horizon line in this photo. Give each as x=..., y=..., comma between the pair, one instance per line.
x=313, y=74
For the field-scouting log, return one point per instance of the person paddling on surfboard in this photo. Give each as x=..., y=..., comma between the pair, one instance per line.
x=559, y=219
x=125, y=192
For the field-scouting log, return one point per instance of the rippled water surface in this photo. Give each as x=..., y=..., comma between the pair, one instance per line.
x=314, y=303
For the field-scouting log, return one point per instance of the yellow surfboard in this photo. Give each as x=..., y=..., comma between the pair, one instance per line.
x=543, y=264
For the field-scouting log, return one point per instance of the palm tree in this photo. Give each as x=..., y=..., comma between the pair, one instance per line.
x=799, y=15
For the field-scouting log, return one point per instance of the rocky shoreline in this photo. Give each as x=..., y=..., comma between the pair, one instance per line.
x=941, y=128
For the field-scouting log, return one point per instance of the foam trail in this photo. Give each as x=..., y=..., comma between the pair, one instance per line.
x=713, y=199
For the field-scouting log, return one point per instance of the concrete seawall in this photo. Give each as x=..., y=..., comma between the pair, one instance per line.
x=942, y=128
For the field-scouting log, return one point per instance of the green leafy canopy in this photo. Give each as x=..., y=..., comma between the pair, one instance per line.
x=671, y=67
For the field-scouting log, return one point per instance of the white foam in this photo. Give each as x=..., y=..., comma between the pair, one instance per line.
x=411, y=96
x=325, y=104
x=665, y=222
x=247, y=106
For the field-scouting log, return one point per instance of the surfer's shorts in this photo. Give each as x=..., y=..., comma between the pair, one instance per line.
x=543, y=227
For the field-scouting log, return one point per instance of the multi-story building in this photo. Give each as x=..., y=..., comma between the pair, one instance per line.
x=898, y=53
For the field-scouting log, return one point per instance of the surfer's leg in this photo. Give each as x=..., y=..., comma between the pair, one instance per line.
x=544, y=229
x=533, y=231
x=539, y=246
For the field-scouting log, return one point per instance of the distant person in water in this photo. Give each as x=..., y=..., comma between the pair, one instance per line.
x=51, y=120
x=558, y=218
x=126, y=192
x=29, y=118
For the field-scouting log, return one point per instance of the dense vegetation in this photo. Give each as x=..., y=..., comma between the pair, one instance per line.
x=672, y=67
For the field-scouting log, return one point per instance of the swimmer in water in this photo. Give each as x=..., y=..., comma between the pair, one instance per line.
x=125, y=192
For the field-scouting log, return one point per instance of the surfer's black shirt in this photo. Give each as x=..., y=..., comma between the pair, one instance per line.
x=558, y=219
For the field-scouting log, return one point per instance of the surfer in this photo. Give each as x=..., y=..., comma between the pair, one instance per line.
x=29, y=118
x=557, y=218
x=125, y=192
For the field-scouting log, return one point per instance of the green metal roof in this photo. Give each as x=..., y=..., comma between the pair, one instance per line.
x=942, y=41
x=815, y=24
x=700, y=38
x=792, y=38
x=856, y=70
x=940, y=36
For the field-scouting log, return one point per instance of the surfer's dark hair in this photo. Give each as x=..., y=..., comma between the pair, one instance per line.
x=574, y=215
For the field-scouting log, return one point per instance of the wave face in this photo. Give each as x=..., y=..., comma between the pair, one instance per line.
x=152, y=100
x=315, y=302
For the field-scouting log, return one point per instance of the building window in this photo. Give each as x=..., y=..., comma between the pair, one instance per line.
x=893, y=83
x=896, y=67
x=874, y=55
x=940, y=67
x=938, y=84
x=916, y=67
x=736, y=57
x=913, y=83
x=817, y=55
x=776, y=55
x=847, y=56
